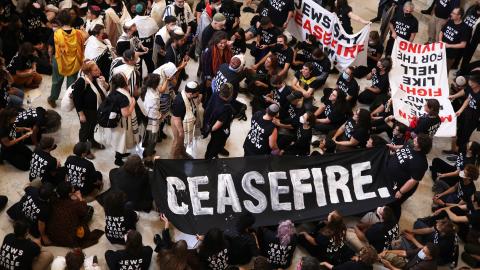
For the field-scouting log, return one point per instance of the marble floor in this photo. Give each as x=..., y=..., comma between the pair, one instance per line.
x=12, y=181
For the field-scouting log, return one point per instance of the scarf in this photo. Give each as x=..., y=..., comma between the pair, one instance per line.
x=68, y=51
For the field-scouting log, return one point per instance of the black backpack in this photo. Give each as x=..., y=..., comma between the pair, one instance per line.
x=108, y=114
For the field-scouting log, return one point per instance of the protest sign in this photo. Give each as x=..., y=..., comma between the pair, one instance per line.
x=312, y=19
x=197, y=195
x=419, y=72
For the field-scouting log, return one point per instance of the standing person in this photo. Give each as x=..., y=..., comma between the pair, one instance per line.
x=147, y=28
x=407, y=167
x=470, y=19
x=100, y=50
x=162, y=37
x=403, y=25
x=262, y=137
x=176, y=54
x=278, y=246
x=67, y=47
x=81, y=173
x=124, y=135
x=93, y=17
x=455, y=36
x=184, y=14
x=21, y=252
x=219, y=116
x=281, y=12
x=88, y=93
x=135, y=255
x=115, y=17
x=217, y=24
x=14, y=149
x=441, y=13
x=345, y=15
x=184, y=120
x=119, y=217
x=127, y=66
x=151, y=91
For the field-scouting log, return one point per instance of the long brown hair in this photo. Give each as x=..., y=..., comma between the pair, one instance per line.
x=174, y=258
x=217, y=57
x=335, y=228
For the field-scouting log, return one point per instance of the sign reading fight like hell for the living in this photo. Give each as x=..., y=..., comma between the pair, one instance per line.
x=419, y=72
x=197, y=195
x=345, y=49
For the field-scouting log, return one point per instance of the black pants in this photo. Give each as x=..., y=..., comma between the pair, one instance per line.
x=379, y=126
x=87, y=129
x=19, y=155
x=218, y=138
x=397, y=204
x=3, y=202
x=469, y=51
x=389, y=47
x=367, y=97
x=440, y=166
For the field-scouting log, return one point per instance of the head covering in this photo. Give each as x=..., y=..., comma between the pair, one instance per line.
x=294, y=96
x=95, y=10
x=139, y=8
x=460, y=81
x=219, y=17
x=192, y=87
x=129, y=23
x=178, y=31
x=274, y=108
x=242, y=59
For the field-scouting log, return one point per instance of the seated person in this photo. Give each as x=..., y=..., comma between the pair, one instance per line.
x=347, y=83
x=23, y=67
x=367, y=256
x=374, y=53
x=302, y=52
x=355, y=132
x=381, y=121
x=34, y=208
x=132, y=179
x=20, y=252
x=135, y=254
x=429, y=122
x=41, y=121
x=278, y=246
x=243, y=243
x=43, y=165
x=306, y=82
x=119, y=217
x=284, y=54
x=214, y=250
x=81, y=173
x=259, y=83
x=67, y=223
x=380, y=83
x=421, y=258
x=301, y=145
x=13, y=148
x=332, y=113
x=75, y=259
x=461, y=192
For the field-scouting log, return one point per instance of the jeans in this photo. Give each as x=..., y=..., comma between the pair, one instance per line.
x=15, y=97
x=57, y=81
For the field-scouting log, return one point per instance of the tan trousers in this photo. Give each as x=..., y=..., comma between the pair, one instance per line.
x=434, y=27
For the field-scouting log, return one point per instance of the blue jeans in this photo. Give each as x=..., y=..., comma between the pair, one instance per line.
x=15, y=97
x=57, y=81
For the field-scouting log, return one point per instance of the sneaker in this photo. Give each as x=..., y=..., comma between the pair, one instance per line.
x=376, y=19
x=224, y=152
x=452, y=158
x=90, y=156
x=119, y=162
x=52, y=103
x=97, y=145
x=248, y=9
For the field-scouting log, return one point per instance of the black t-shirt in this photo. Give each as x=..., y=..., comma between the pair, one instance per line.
x=278, y=10
x=465, y=191
x=321, y=68
x=207, y=35
x=342, y=15
x=307, y=49
x=278, y=256
x=21, y=63
x=18, y=253
x=333, y=252
x=219, y=110
x=269, y=36
x=34, y=19
x=123, y=260
x=178, y=107
x=404, y=26
x=239, y=47
x=218, y=260
x=374, y=50
x=9, y=133
x=303, y=140
x=81, y=173
x=242, y=247
x=474, y=219
x=281, y=98
x=474, y=103
x=350, y=88
x=446, y=246
x=174, y=55
x=336, y=117
x=380, y=235
x=358, y=133
x=471, y=16
x=31, y=117
x=230, y=12
x=117, y=226
x=284, y=56
x=224, y=75
x=33, y=208
x=443, y=8
x=381, y=81
x=84, y=97
x=4, y=95
x=257, y=140
x=42, y=165
x=405, y=164
x=454, y=34
x=427, y=125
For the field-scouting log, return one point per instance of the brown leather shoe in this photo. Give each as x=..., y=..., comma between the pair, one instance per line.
x=52, y=103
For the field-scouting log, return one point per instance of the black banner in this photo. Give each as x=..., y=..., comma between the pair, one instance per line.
x=197, y=195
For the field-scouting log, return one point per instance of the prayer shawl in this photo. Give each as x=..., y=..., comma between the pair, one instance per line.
x=89, y=24
x=191, y=126
x=165, y=35
x=94, y=48
x=146, y=26
x=96, y=91
x=114, y=24
x=129, y=71
x=68, y=51
x=158, y=8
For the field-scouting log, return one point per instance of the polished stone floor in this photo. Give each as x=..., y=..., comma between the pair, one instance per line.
x=12, y=181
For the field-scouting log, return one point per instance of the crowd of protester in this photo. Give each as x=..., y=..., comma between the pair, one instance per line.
x=125, y=68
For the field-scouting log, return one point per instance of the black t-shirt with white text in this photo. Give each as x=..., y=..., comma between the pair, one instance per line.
x=122, y=260
x=471, y=16
x=454, y=34
x=443, y=8
x=279, y=256
x=31, y=117
x=81, y=173
x=284, y=56
x=42, y=165
x=404, y=26
x=269, y=36
x=257, y=140
x=18, y=253
x=404, y=164
x=278, y=10
x=117, y=226
x=380, y=235
x=350, y=87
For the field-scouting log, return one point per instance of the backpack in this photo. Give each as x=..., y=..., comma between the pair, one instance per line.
x=108, y=114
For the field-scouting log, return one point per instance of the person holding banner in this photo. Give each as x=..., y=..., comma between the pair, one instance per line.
x=345, y=15
x=428, y=123
x=403, y=25
x=262, y=137
x=380, y=84
x=406, y=168
x=455, y=35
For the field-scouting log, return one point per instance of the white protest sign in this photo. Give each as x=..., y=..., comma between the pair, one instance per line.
x=312, y=19
x=419, y=72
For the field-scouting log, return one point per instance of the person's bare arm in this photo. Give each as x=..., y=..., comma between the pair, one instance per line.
x=460, y=45
x=257, y=65
x=218, y=125
x=272, y=140
x=464, y=106
x=284, y=69
x=412, y=37
x=392, y=30
x=409, y=185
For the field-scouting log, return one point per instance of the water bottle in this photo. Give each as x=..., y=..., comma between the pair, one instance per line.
x=29, y=102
